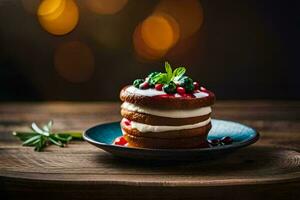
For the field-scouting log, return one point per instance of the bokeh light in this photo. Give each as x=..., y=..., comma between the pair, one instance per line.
x=158, y=33
x=155, y=36
x=58, y=17
x=74, y=61
x=142, y=49
x=105, y=7
x=188, y=14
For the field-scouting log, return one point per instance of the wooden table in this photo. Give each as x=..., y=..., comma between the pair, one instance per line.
x=270, y=169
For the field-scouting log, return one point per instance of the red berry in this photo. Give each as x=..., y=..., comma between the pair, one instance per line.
x=120, y=141
x=214, y=142
x=227, y=140
x=180, y=90
x=144, y=85
x=203, y=89
x=196, y=85
x=159, y=86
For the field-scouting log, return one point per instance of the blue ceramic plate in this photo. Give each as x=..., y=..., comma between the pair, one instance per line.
x=103, y=135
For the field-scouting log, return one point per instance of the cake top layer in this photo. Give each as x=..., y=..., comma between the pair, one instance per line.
x=170, y=82
x=171, y=89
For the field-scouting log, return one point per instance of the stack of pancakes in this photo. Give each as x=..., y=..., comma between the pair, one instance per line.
x=162, y=121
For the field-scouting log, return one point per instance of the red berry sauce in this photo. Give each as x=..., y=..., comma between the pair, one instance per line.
x=126, y=122
x=165, y=96
x=188, y=96
x=120, y=141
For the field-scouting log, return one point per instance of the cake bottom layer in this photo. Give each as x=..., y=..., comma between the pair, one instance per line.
x=191, y=138
x=195, y=132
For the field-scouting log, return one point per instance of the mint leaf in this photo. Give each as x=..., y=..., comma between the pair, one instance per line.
x=169, y=76
x=169, y=72
x=160, y=78
x=178, y=73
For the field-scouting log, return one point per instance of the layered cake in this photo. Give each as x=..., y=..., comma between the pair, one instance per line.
x=166, y=110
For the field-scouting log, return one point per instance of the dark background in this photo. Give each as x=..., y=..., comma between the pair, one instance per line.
x=245, y=49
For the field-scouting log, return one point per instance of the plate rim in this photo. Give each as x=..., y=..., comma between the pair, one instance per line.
x=252, y=140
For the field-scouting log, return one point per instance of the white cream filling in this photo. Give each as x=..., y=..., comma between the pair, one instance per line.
x=153, y=92
x=150, y=128
x=148, y=92
x=167, y=113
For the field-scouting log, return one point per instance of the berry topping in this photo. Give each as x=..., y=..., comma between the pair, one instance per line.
x=137, y=82
x=150, y=82
x=203, y=89
x=152, y=74
x=227, y=140
x=188, y=95
x=196, y=85
x=165, y=96
x=180, y=90
x=189, y=88
x=120, y=141
x=185, y=80
x=214, y=142
x=170, y=88
x=159, y=86
x=144, y=85
x=170, y=81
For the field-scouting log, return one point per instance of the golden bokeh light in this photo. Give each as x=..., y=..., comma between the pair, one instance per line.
x=187, y=13
x=158, y=33
x=58, y=17
x=105, y=7
x=142, y=50
x=74, y=61
x=155, y=36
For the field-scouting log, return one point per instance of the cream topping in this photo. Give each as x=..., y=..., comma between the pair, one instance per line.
x=148, y=92
x=167, y=113
x=153, y=92
x=150, y=128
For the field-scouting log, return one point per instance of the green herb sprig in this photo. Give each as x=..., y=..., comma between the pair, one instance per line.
x=40, y=138
x=170, y=75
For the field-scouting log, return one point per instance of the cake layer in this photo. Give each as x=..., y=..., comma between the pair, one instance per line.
x=153, y=92
x=156, y=120
x=164, y=101
x=158, y=143
x=200, y=132
x=171, y=113
x=141, y=127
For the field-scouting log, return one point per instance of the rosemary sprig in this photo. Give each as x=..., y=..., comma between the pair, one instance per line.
x=40, y=138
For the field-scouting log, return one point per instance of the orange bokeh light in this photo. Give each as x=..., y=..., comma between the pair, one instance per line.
x=74, y=61
x=158, y=33
x=58, y=17
x=141, y=48
x=105, y=7
x=155, y=36
x=187, y=13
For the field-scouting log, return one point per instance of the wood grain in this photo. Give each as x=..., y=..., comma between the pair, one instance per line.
x=268, y=169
